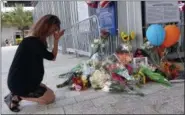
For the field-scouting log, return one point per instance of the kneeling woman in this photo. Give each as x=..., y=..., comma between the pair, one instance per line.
x=27, y=69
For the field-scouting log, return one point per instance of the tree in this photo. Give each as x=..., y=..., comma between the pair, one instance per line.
x=18, y=18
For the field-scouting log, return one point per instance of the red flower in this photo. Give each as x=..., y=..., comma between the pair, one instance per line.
x=129, y=68
x=92, y=4
x=104, y=3
x=77, y=81
x=139, y=51
x=118, y=78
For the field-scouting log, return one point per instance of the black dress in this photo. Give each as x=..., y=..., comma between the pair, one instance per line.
x=27, y=69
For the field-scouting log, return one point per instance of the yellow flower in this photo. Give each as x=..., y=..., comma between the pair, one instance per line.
x=124, y=37
x=132, y=35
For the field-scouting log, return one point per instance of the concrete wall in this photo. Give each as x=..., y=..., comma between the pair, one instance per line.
x=129, y=19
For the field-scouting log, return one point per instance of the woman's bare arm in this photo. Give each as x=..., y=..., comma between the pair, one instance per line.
x=57, y=36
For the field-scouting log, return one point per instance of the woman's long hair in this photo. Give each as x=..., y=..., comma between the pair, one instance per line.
x=42, y=27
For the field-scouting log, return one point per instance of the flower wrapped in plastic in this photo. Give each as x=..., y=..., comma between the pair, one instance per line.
x=127, y=37
x=98, y=79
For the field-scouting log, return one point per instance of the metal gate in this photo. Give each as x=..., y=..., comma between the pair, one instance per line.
x=78, y=38
x=67, y=11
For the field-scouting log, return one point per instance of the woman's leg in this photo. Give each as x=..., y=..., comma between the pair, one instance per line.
x=43, y=95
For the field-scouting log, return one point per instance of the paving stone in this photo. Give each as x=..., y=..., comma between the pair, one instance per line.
x=175, y=91
x=23, y=105
x=5, y=110
x=72, y=94
x=155, y=99
x=106, y=100
x=105, y=109
x=56, y=70
x=39, y=112
x=152, y=88
x=27, y=103
x=59, y=110
x=32, y=109
x=176, y=104
x=51, y=82
x=4, y=93
x=66, y=93
x=59, y=95
x=58, y=98
x=88, y=96
x=170, y=98
x=127, y=105
x=78, y=108
x=144, y=110
x=169, y=109
x=89, y=91
x=162, y=96
x=61, y=103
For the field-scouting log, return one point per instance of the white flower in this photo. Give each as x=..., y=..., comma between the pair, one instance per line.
x=147, y=43
x=106, y=86
x=106, y=89
x=142, y=47
x=96, y=40
x=102, y=45
x=92, y=45
x=153, y=68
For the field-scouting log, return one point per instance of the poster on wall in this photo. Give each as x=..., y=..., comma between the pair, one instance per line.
x=162, y=11
x=107, y=18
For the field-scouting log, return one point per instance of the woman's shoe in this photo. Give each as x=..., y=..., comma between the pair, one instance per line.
x=12, y=102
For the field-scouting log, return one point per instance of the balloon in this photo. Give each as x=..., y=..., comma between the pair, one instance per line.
x=172, y=35
x=155, y=34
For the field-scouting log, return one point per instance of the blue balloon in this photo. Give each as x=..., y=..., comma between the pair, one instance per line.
x=155, y=34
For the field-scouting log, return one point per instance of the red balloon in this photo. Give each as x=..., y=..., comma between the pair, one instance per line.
x=172, y=35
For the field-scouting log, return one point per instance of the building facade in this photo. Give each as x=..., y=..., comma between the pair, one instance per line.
x=10, y=33
x=130, y=16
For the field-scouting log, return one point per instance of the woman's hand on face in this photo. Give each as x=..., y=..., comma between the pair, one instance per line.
x=58, y=34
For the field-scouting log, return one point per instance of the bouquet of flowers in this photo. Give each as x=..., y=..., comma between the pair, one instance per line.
x=156, y=57
x=127, y=38
x=154, y=76
x=99, y=43
x=171, y=70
